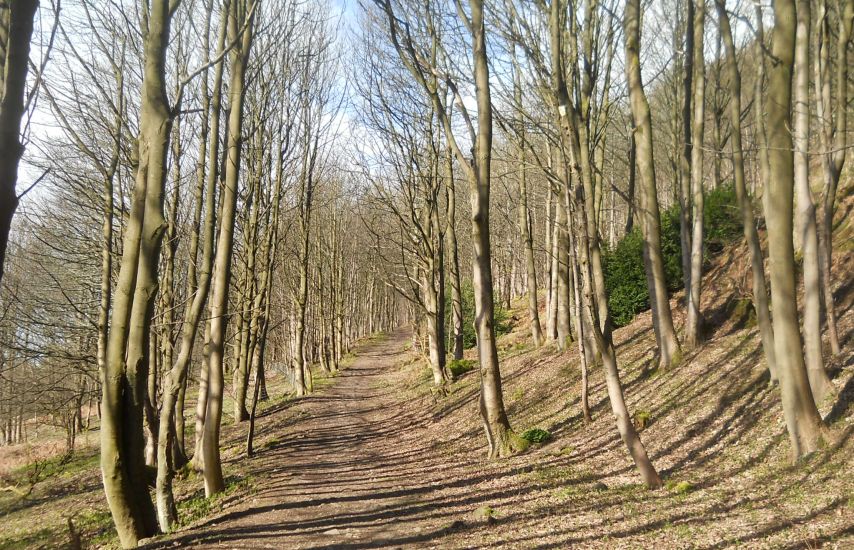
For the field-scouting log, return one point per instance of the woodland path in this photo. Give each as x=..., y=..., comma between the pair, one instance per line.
x=347, y=470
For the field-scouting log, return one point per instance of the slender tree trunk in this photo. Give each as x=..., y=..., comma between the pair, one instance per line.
x=751, y=235
x=451, y=232
x=562, y=241
x=669, y=350
x=685, y=169
x=198, y=281
x=150, y=407
x=500, y=436
x=806, y=229
x=586, y=343
x=222, y=272
x=198, y=461
x=554, y=269
x=525, y=215
x=122, y=443
x=605, y=347
x=437, y=278
x=107, y=235
x=802, y=418
x=834, y=141
x=630, y=194
x=240, y=380
x=694, y=320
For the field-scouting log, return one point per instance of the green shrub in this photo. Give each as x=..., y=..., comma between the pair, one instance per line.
x=536, y=435
x=503, y=323
x=461, y=366
x=671, y=248
x=625, y=277
x=722, y=222
x=642, y=419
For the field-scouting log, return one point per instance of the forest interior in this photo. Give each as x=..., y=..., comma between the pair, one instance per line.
x=426, y=273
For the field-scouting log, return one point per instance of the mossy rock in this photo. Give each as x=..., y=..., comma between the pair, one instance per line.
x=484, y=514
x=744, y=314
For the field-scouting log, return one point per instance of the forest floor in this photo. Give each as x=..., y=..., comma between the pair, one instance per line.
x=374, y=459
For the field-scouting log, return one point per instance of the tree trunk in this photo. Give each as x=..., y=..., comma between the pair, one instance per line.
x=222, y=272
x=500, y=436
x=240, y=380
x=630, y=194
x=198, y=461
x=807, y=232
x=834, y=142
x=562, y=240
x=751, y=236
x=554, y=269
x=13, y=88
x=605, y=347
x=694, y=320
x=198, y=280
x=684, y=188
x=456, y=293
x=525, y=217
x=651, y=226
x=122, y=443
x=802, y=418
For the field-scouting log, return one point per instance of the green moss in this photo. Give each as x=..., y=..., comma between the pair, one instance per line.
x=565, y=451
x=744, y=313
x=679, y=487
x=41, y=538
x=96, y=526
x=518, y=444
x=536, y=435
x=553, y=473
x=64, y=465
x=642, y=419
x=567, y=492
x=197, y=506
x=484, y=512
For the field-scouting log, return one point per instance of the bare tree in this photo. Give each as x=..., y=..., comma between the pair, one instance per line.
x=16, y=29
x=802, y=418
x=241, y=16
x=642, y=139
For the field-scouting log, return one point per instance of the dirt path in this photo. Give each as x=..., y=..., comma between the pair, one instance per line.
x=345, y=473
